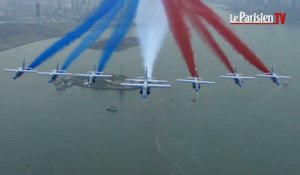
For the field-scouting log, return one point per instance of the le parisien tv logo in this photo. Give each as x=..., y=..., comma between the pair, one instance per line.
x=258, y=18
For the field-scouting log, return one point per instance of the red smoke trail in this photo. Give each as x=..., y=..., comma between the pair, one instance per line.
x=204, y=32
x=180, y=32
x=214, y=20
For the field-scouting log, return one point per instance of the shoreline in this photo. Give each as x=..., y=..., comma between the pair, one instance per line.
x=23, y=44
x=16, y=35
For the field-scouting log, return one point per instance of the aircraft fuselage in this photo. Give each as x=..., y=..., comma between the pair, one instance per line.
x=91, y=80
x=52, y=78
x=275, y=79
x=239, y=82
x=145, y=91
x=17, y=75
x=197, y=87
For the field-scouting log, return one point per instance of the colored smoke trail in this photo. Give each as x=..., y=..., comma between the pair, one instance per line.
x=180, y=32
x=102, y=10
x=152, y=27
x=212, y=43
x=94, y=34
x=214, y=20
x=119, y=33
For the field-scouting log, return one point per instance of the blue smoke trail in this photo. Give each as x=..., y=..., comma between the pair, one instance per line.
x=103, y=8
x=94, y=34
x=119, y=33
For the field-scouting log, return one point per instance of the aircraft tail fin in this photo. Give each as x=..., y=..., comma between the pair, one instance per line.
x=146, y=72
x=94, y=67
x=57, y=66
x=196, y=72
x=272, y=69
x=235, y=70
x=23, y=64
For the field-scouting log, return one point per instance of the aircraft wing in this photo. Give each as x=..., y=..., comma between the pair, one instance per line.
x=193, y=81
x=265, y=75
x=247, y=78
x=228, y=76
x=159, y=85
x=11, y=70
x=157, y=81
x=82, y=75
x=29, y=71
x=97, y=76
x=25, y=71
x=207, y=82
x=136, y=80
x=186, y=81
x=132, y=84
x=52, y=73
x=63, y=74
x=284, y=77
x=45, y=73
x=193, y=78
x=103, y=76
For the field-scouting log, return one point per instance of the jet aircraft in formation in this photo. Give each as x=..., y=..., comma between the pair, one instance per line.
x=54, y=74
x=145, y=83
x=92, y=76
x=196, y=82
x=238, y=78
x=21, y=70
x=274, y=77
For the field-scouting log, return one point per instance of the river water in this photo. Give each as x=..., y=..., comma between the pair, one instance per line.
x=222, y=130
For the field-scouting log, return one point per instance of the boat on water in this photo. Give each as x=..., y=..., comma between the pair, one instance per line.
x=112, y=109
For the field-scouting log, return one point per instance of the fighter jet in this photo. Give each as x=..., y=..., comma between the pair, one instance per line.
x=92, y=76
x=145, y=84
x=19, y=72
x=238, y=78
x=195, y=81
x=54, y=74
x=273, y=76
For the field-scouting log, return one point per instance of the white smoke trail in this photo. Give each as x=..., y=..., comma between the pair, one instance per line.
x=152, y=27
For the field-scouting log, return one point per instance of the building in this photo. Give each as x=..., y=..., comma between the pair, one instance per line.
x=59, y=5
x=38, y=10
